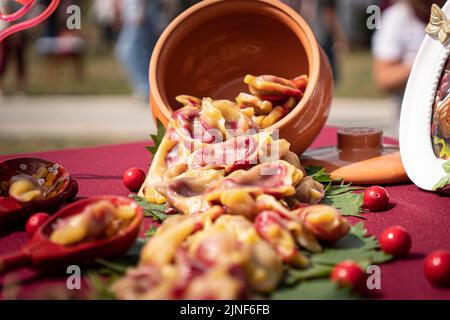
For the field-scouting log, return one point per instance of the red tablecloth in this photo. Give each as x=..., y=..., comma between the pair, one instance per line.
x=426, y=215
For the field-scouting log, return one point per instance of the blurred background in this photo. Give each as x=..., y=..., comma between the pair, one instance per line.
x=64, y=88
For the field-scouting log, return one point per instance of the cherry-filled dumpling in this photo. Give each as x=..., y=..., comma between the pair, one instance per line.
x=96, y=221
x=186, y=192
x=239, y=152
x=227, y=117
x=277, y=178
x=192, y=127
x=238, y=191
x=222, y=259
x=168, y=161
x=26, y=188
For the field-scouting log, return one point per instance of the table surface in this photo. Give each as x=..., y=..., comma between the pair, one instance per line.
x=98, y=171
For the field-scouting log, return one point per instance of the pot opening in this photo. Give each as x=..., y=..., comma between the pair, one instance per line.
x=209, y=53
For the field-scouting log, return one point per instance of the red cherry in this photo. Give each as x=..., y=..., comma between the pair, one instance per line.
x=34, y=222
x=396, y=241
x=133, y=178
x=349, y=274
x=437, y=268
x=376, y=198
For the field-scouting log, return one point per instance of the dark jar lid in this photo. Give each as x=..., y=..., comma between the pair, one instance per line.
x=360, y=138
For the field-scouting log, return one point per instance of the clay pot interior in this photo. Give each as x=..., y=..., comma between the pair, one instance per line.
x=208, y=54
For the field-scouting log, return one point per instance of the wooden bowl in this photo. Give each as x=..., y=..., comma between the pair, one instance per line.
x=209, y=48
x=46, y=256
x=12, y=210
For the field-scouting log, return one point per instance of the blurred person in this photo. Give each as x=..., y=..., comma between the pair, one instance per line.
x=294, y=4
x=395, y=45
x=384, y=4
x=13, y=50
x=321, y=15
x=61, y=46
x=142, y=22
x=106, y=17
x=56, y=23
x=53, y=23
x=185, y=4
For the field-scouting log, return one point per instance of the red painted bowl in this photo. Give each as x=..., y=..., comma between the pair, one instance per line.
x=56, y=177
x=44, y=255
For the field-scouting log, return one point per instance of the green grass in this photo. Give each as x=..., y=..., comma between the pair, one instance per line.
x=15, y=146
x=103, y=75
x=356, y=80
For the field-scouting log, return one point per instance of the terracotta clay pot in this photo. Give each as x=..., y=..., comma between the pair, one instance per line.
x=208, y=49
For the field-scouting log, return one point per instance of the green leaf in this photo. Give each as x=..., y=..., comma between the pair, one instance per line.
x=113, y=267
x=445, y=181
x=446, y=167
x=356, y=246
x=315, y=271
x=342, y=197
x=100, y=286
x=149, y=233
x=102, y=278
x=118, y=267
x=319, y=174
x=360, y=231
x=154, y=211
x=161, y=131
x=342, y=188
x=321, y=289
x=332, y=257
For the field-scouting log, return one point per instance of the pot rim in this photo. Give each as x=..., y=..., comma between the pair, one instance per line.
x=312, y=50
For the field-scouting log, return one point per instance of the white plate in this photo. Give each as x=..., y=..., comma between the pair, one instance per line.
x=421, y=164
